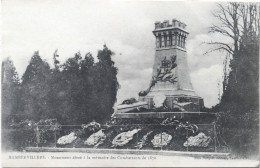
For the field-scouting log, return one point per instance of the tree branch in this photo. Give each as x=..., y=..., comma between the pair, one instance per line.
x=223, y=44
x=219, y=49
x=217, y=29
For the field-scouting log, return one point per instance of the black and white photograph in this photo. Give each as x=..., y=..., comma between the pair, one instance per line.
x=129, y=83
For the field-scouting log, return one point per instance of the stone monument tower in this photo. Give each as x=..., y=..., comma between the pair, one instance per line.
x=170, y=77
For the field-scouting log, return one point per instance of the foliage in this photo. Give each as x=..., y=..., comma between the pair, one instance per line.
x=35, y=89
x=105, y=85
x=17, y=139
x=126, y=137
x=28, y=133
x=185, y=128
x=85, y=90
x=75, y=92
x=26, y=124
x=92, y=126
x=188, y=127
x=10, y=92
x=238, y=110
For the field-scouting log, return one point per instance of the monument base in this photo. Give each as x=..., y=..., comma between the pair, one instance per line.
x=152, y=117
x=191, y=103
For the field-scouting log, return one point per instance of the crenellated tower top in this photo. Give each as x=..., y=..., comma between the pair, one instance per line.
x=170, y=35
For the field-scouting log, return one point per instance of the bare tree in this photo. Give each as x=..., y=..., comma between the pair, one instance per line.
x=236, y=20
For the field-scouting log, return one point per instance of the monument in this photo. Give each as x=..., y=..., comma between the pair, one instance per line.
x=170, y=75
x=170, y=87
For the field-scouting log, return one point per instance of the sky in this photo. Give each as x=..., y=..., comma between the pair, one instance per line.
x=124, y=26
